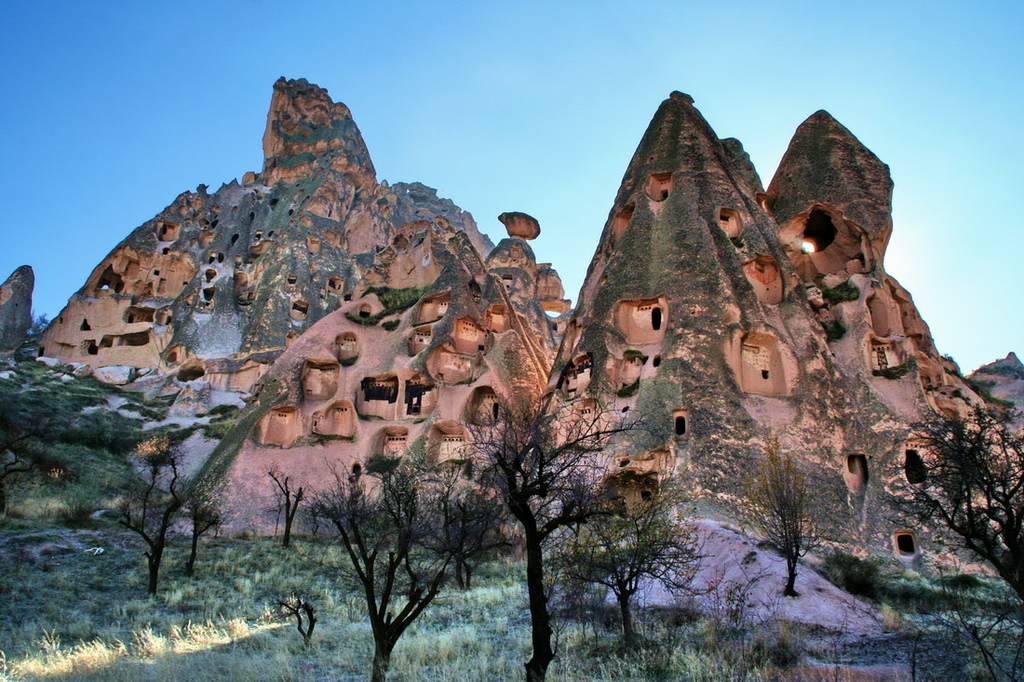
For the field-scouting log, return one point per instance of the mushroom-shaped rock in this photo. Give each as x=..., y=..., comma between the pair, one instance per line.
x=520, y=225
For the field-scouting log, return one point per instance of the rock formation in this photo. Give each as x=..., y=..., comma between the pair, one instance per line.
x=216, y=285
x=372, y=321
x=16, y=308
x=1003, y=380
x=722, y=315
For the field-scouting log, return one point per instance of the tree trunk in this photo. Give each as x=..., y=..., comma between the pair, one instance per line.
x=540, y=619
x=790, y=590
x=628, y=633
x=190, y=565
x=153, y=558
x=381, y=660
x=289, y=514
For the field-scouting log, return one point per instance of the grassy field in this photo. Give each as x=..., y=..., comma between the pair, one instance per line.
x=73, y=601
x=69, y=613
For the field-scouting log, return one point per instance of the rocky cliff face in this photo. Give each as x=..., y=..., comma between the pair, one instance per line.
x=16, y=308
x=432, y=337
x=217, y=285
x=723, y=316
x=372, y=321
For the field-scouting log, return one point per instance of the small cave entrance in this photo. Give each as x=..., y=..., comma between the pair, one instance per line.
x=319, y=379
x=905, y=543
x=433, y=307
x=393, y=441
x=643, y=321
x=346, y=346
x=469, y=337
x=729, y=221
x=576, y=375
x=446, y=443
x=659, y=186
x=819, y=232
x=483, y=407
x=497, y=318
x=167, y=232
x=418, y=396
x=419, y=339
x=764, y=277
x=913, y=467
x=856, y=473
x=281, y=426
x=299, y=310
x=334, y=285
x=191, y=370
x=313, y=245
x=761, y=367
x=339, y=419
x=85, y=325
x=681, y=423
x=205, y=237
x=621, y=221
x=378, y=396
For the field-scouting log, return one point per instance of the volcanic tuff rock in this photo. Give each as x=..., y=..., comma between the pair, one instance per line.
x=217, y=285
x=723, y=316
x=1003, y=379
x=16, y=308
x=375, y=321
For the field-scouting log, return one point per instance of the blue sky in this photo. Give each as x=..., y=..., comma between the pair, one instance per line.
x=111, y=109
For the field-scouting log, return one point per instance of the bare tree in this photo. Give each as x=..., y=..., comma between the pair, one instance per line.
x=299, y=607
x=288, y=500
x=639, y=542
x=472, y=523
x=17, y=456
x=547, y=474
x=150, y=508
x=401, y=537
x=780, y=505
x=203, y=509
x=974, y=487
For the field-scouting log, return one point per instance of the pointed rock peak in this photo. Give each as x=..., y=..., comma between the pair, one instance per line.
x=826, y=163
x=1010, y=366
x=680, y=97
x=304, y=121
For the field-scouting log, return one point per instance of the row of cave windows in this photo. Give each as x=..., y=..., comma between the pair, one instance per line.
x=914, y=469
x=819, y=231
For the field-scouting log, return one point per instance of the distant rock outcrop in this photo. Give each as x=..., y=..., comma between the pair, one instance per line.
x=1003, y=380
x=16, y=308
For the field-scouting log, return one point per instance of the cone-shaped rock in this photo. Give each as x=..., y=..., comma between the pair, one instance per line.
x=694, y=318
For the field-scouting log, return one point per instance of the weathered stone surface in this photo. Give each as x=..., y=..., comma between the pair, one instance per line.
x=118, y=375
x=700, y=317
x=520, y=225
x=49, y=362
x=194, y=400
x=16, y=308
x=222, y=282
x=1003, y=379
x=432, y=336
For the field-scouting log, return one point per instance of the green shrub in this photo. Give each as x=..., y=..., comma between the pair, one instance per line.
x=834, y=330
x=857, y=576
x=897, y=372
x=391, y=325
x=627, y=391
x=847, y=291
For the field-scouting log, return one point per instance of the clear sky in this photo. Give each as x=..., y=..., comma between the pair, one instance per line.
x=108, y=110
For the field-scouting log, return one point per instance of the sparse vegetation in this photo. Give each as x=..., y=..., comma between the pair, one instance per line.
x=834, y=330
x=847, y=291
x=897, y=372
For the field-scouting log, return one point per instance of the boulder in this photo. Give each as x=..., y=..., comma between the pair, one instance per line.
x=118, y=375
